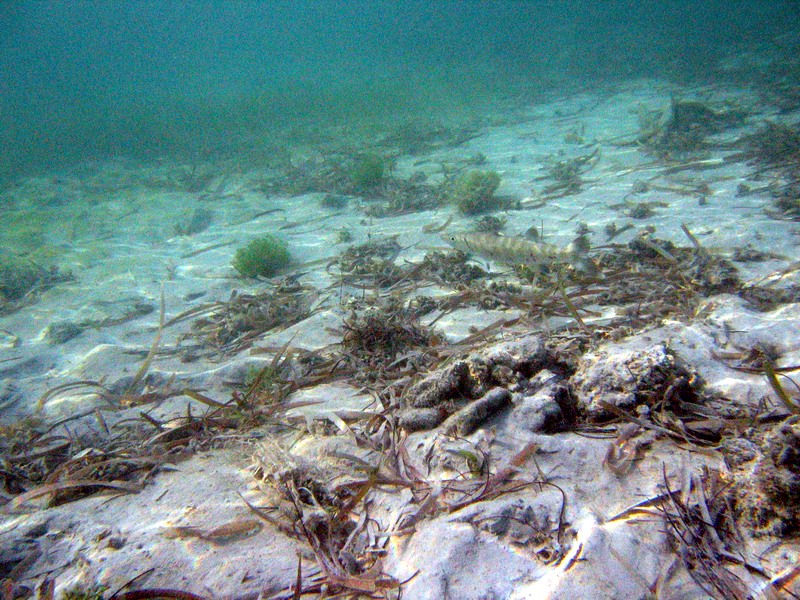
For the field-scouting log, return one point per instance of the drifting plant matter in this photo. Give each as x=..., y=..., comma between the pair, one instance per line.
x=235, y=324
x=383, y=342
x=684, y=127
x=371, y=263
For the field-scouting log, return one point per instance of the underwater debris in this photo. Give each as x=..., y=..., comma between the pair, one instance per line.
x=262, y=382
x=194, y=179
x=492, y=295
x=702, y=531
x=421, y=136
x=322, y=174
x=450, y=268
x=660, y=279
x=383, y=340
x=238, y=322
x=293, y=483
x=748, y=253
x=400, y=197
x=60, y=332
x=649, y=248
x=568, y=175
x=765, y=299
x=637, y=210
x=371, y=263
x=262, y=257
x=62, y=464
x=640, y=210
x=776, y=148
x=786, y=200
x=611, y=230
x=341, y=175
x=684, y=127
x=708, y=273
x=775, y=145
x=320, y=502
x=419, y=306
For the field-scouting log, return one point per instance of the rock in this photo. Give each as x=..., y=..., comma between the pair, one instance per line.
x=767, y=491
x=527, y=355
x=541, y=412
x=448, y=392
x=418, y=419
x=738, y=451
x=469, y=418
x=463, y=379
x=625, y=375
x=20, y=548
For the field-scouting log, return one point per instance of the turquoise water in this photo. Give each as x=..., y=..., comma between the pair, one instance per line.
x=149, y=79
x=225, y=225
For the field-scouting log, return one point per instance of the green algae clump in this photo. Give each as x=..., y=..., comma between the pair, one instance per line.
x=473, y=193
x=368, y=172
x=262, y=257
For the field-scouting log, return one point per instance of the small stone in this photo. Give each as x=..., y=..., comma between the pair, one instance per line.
x=738, y=451
x=116, y=542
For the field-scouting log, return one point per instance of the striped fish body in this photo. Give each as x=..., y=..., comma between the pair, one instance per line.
x=518, y=250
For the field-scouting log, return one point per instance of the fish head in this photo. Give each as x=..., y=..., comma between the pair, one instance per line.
x=578, y=251
x=585, y=265
x=457, y=241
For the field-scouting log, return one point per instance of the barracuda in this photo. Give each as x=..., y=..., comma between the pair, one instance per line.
x=518, y=250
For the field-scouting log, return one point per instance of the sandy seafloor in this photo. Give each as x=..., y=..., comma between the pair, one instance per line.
x=115, y=235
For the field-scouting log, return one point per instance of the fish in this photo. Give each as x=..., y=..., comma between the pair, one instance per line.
x=222, y=534
x=515, y=250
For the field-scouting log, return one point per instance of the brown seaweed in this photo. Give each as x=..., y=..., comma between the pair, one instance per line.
x=234, y=325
